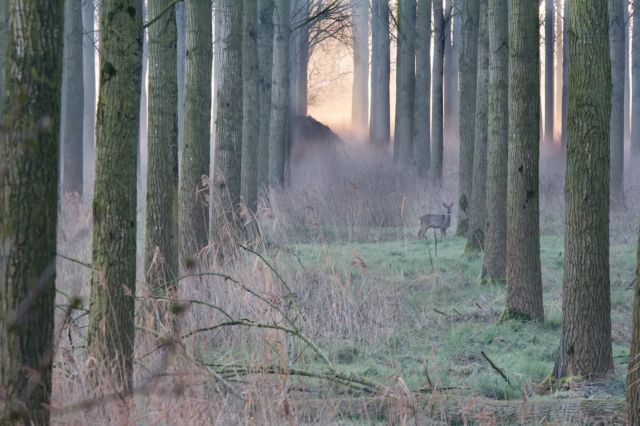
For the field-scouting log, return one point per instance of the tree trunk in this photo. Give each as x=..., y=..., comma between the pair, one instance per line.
x=279, y=131
x=299, y=56
x=405, y=83
x=161, y=232
x=635, y=84
x=360, y=88
x=113, y=283
x=633, y=372
x=616, y=48
x=495, y=241
x=250, y=105
x=475, y=236
x=437, y=102
x=468, y=79
x=565, y=74
x=379, y=123
x=524, y=282
x=585, y=344
x=29, y=149
x=627, y=71
x=548, y=71
x=89, y=89
x=4, y=26
x=72, y=98
x=422, y=116
x=451, y=67
x=265, y=66
x=194, y=142
x=181, y=58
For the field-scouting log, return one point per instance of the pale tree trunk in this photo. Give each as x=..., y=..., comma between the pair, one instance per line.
x=72, y=99
x=616, y=133
x=627, y=71
x=265, y=66
x=180, y=58
x=161, y=227
x=29, y=152
x=468, y=79
x=250, y=105
x=475, y=236
x=110, y=334
x=405, y=83
x=279, y=131
x=437, y=102
x=633, y=371
x=524, y=282
x=422, y=113
x=585, y=343
x=195, y=138
x=360, y=88
x=299, y=56
x=89, y=89
x=495, y=240
x=635, y=83
x=548, y=71
x=379, y=123
x=451, y=68
x=565, y=74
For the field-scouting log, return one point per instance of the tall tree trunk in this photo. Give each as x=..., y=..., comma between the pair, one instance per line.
x=635, y=83
x=161, y=235
x=451, y=66
x=548, y=71
x=113, y=283
x=495, y=241
x=524, y=282
x=89, y=90
x=279, y=131
x=379, y=123
x=4, y=26
x=475, y=236
x=469, y=12
x=633, y=371
x=585, y=344
x=196, y=136
x=616, y=48
x=299, y=56
x=565, y=74
x=29, y=152
x=265, y=66
x=627, y=71
x=422, y=116
x=181, y=58
x=250, y=104
x=437, y=101
x=405, y=83
x=72, y=98
x=360, y=88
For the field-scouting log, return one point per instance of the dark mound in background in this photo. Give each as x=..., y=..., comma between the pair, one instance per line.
x=310, y=135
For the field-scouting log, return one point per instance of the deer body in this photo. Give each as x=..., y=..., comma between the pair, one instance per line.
x=436, y=221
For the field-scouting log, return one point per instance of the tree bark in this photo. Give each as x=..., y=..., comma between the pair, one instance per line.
x=161, y=234
x=405, y=83
x=265, y=66
x=585, y=344
x=627, y=71
x=565, y=74
x=524, y=282
x=279, y=131
x=635, y=84
x=495, y=242
x=113, y=283
x=72, y=98
x=29, y=154
x=548, y=71
x=360, y=88
x=468, y=79
x=451, y=69
x=299, y=56
x=89, y=41
x=380, y=120
x=475, y=236
x=616, y=132
x=633, y=372
x=181, y=58
x=422, y=107
x=250, y=105
x=437, y=101
x=194, y=142
x=4, y=26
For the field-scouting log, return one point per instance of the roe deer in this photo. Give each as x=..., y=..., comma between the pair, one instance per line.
x=436, y=221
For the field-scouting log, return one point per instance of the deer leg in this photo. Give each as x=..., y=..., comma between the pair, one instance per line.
x=435, y=237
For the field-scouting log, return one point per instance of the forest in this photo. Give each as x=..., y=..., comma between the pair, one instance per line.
x=319, y=212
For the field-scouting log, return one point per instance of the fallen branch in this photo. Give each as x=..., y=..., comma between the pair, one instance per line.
x=495, y=367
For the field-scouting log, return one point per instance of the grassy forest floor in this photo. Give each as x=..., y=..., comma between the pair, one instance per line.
x=390, y=329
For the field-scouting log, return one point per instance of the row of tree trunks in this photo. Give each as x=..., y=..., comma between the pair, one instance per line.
x=379, y=124
x=422, y=95
x=29, y=172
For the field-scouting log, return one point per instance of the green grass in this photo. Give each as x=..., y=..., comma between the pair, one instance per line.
x=450, y=345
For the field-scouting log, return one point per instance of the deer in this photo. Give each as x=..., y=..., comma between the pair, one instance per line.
x=436, y=221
